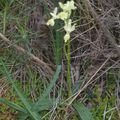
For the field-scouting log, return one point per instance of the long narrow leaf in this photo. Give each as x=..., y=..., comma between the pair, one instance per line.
x=83, y=112
x=52, y=83
x=19, y=93
x=13, y=105
x=49, y=88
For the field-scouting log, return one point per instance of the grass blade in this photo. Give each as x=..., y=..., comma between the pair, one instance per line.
x=19, y=93
x=13, y=105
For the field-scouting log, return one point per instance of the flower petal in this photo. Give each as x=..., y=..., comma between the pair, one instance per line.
x=54, y=14
x=63, y=15
x=62, y=5
x=68, y=6
x=66, y=37
x=51, y=22
x=68, y=27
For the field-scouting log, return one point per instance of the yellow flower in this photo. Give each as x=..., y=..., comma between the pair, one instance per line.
x=68, y=6
x=71, y=5
x=54, y=14
x=51, y=22
x=63, y=15
x=68, y=27
x=67, y=37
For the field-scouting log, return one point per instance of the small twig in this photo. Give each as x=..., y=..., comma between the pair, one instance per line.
x=33, y=57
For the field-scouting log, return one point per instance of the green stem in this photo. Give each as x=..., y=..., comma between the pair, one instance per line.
x=67, y=54
x=69, y=69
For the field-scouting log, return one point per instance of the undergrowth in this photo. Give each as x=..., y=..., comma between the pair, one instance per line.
x=39, y=82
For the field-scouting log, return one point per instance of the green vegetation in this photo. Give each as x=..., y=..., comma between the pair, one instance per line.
x=59, y=61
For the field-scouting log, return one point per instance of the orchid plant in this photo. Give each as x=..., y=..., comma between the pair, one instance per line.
x=65, y=15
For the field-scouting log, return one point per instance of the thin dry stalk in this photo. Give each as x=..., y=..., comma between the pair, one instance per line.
x=89, y=82
x=103, y=27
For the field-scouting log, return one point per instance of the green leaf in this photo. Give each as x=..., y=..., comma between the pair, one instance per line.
x=13, y=105
x=58, y=42
x=49, y=88
x=22, y=116
x=52, y=83
x=24, y=100
x=44, y=104
x=83, y=112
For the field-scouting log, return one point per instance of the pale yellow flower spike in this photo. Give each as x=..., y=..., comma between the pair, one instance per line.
x=65, y=16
